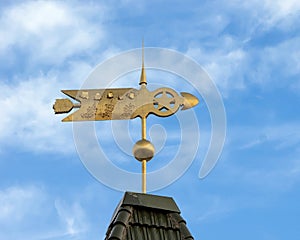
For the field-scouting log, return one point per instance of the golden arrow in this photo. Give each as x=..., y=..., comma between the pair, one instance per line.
x=122, y=103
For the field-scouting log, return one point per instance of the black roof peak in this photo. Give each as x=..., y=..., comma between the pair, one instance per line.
x=150, y=201
x=143, y=216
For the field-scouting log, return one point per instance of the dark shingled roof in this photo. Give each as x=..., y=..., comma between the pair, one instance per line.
x=150, y=217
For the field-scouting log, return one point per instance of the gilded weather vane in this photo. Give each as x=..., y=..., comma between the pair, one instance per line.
x=126, y=103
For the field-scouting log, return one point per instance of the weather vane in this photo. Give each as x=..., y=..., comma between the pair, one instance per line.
x=126, y=103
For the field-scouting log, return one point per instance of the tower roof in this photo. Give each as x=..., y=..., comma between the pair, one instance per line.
x=144, y=216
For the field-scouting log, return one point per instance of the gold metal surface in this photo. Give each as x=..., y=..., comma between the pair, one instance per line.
x=144, y=128
x=146, y=147
x=189, y=100
x=143, y=150
x=126, y=103
x=63, y=106
x=144, y=175
x=122, y=103
x=143, y=80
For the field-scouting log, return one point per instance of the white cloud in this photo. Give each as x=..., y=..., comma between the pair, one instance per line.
x=281, y=179
x=48, y=31
x=266, y=13
x=23, y=211
x=215, y=208
x=281, y=12
x=17, y=203
x=249, y=44
x=281, y=136
x=29, y=120
x=226, y=67
x=72, y=216
x=280, y=60
x=234, y=67
x=43, y=32
x=30, y=212
x=274, y=166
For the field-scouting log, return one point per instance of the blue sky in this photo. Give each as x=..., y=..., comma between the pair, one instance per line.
x=249, y=48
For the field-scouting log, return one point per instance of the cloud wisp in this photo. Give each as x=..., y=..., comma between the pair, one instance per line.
x=48, y=32
x=30, y=212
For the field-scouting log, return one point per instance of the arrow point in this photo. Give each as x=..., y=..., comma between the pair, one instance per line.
x=189, y=100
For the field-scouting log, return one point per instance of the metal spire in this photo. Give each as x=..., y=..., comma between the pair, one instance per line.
x=143, y=83
x=143, y=80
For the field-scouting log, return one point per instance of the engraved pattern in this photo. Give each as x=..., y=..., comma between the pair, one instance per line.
x=90, y=112
x=108, y=110
x=128, y=110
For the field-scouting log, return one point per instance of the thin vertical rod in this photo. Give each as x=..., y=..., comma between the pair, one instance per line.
x=144, y=169
x=143, y=128
x=143, y=83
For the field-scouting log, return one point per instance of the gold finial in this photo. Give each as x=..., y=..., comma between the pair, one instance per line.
x=143, y=73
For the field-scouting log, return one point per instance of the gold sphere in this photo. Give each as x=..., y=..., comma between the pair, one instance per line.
x=143, y=150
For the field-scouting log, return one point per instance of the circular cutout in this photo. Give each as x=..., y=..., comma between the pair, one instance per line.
x=165, y=102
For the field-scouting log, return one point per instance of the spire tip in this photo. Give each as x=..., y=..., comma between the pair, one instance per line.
x=143, y=80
